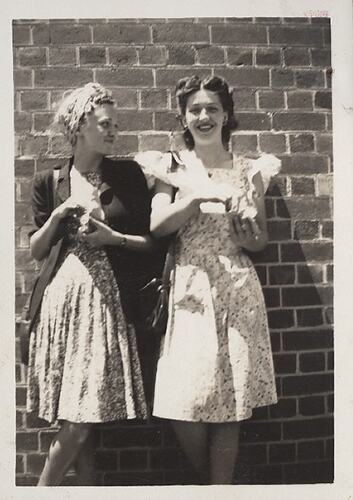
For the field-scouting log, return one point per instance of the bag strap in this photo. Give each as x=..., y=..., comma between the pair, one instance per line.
x=168, y=265
x=54, y=186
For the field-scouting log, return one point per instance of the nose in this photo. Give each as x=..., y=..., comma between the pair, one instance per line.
x=203, y=114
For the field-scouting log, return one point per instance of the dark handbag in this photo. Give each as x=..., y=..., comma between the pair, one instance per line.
x=25, y=321
x=156, y=321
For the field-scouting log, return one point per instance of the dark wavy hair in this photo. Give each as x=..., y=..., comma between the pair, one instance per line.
x=189, y=85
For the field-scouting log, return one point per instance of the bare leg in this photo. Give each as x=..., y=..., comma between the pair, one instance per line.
x=193, y=439
x=63, y=451
x=85, y=463
x=224, y=444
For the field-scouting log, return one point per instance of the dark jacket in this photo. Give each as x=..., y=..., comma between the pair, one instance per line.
x=126, y=204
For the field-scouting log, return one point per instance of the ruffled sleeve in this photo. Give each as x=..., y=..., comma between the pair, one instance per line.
x=156, y=165
x=268, y=165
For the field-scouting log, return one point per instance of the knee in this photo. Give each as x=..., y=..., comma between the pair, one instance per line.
x=79, y=432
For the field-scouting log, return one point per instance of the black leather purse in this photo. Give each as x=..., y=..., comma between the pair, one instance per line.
x=156, y=321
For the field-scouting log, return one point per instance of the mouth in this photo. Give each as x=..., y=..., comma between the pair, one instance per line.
x=205, y=127
x=110, y=140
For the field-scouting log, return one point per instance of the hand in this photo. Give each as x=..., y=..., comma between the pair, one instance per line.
x=102, y=235
x=69, y=207
x=244, y=231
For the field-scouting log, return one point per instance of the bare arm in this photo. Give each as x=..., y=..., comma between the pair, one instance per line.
x=249, y=233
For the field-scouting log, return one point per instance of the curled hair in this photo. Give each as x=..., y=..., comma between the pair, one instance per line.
x=76, y=105
x=189, y=85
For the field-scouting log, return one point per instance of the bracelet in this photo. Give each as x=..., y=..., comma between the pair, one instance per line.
x=123, y=242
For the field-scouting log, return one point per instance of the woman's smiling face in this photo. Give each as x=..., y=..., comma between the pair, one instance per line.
x=204, y=116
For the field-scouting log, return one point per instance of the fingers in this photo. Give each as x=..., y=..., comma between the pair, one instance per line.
x=246, y=228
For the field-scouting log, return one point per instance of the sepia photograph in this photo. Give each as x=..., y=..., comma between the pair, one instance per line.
x=173, y=240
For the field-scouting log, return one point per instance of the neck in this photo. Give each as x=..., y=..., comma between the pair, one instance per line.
x=86, y=161
x=211, y=155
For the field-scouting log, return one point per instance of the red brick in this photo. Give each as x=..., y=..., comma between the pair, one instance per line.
x=271, y=99
x=69, y=34
x=33, y=422
x=311, y=450
x=40, y=33
x=22, y=122
x=330, y=403
x=21, y=35
x=211, y=55
x=229, y=35
x=21, y=394
x=285, y=408
x=238, y=56
x=143, y=478
x=310, y=274
x=118, y=33
x=268, y=57
x=106, y=460
x=152, y=55
x=321, y=57
x=26, y=480
x=324, y=143
x=312, y=362
x=279, y=230
x=246, y=77
x=165, y=458
x=32, y=56
x=34, y=100
x=93, y=55
x=308, y=340
x=329, y=449
x=62, y=77
x=170, y=77
x=300, y=296
x=272, y=297
x=147, y=436
x=323, y=100
x=298, y=121
x=60, y=146
x=34, y=145
x=125, y=98
x=24, y=190
x=26, y=441
x=135, y=120
x=261, y=272
x=307, y=36
x=181, y=55
x=257, y=432
x=19, y=419
x=303, y=186
x=59, y=56
x=45, y=439
x=156, y=142
x=285, y=363
x=329, y=272
x=300, y=99
x=270, y=254
x=22, y=78
x=253, y=121
x=295, y=56
x=20, y=464
x=307, y=384
x=309, y=317
x=125, y=145
x=281, y=275
x=244, y=143
x=275, y=341
x=282, y=453
x=310, y=79
x=313, y=405
x=180, y=33
x=165, y=121
x=302, y=143
x=327, y=229
x=296, y=20
x=272, y=143
x=308, y=472
x=154, y=98
x=43, y=121
x=244, y=99
x=327, y=37
x=133, y=459
x=35, y=462
x=125, y=77
x=281, y=77
x=252, y=454
x=318, y=208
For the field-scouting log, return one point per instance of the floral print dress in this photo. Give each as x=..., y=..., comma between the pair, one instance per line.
x=215, y=361
x=83, y=364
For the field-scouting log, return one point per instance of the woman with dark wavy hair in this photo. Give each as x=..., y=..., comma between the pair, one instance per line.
x=215, y=363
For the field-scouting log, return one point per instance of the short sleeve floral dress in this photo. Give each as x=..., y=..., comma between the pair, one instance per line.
x=215, y=362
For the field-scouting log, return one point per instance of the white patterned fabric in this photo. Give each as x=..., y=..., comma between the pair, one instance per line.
x=215, y=361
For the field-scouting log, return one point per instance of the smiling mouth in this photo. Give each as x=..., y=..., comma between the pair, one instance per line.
x=205, y=128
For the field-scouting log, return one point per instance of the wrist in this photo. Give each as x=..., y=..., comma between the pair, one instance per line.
x=119, y=239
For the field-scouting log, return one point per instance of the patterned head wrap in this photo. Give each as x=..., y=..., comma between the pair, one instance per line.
x=76, y=105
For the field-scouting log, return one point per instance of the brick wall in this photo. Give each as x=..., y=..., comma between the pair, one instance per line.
x=280, y=71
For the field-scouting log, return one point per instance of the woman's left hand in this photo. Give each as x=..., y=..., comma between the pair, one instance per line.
x=102, y=235
x=245, y=231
